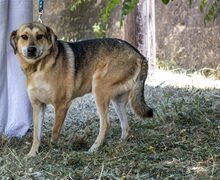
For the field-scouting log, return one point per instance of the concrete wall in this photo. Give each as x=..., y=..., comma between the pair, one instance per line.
x=75, y=25
x=183, y=37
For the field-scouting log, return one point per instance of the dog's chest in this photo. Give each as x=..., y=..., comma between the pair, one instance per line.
x=39, y=88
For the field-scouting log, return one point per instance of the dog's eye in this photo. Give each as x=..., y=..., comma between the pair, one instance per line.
x=39, y=36
x=24, y=37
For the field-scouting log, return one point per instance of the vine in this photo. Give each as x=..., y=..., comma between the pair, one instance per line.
x=210, y=11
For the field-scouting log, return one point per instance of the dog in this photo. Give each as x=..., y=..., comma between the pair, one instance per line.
x=58, y=71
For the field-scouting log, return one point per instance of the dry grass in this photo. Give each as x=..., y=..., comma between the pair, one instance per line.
x=182, y=141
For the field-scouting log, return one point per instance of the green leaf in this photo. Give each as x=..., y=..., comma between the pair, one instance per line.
x=201, y=7
x=127, y=7
x=204, y=2
x=104, y=16
x=77, y=3
x=190, y=3
x=165, y=1
x=208, y=18
x=212, y=12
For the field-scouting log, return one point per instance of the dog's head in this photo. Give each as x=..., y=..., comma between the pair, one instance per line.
x=33, y=41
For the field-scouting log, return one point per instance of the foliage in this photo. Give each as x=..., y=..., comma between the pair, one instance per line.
x=210, y=9
x=104, y=17
x=127, y=6
x=101, y=26
x=77, y=3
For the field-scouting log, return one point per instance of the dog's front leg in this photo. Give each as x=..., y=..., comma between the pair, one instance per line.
x=38, y=118
x=60, y=114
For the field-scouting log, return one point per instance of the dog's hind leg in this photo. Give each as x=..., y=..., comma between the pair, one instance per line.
x=38, y=119
x=102, y=103
x=60, y=114
x=119, y=103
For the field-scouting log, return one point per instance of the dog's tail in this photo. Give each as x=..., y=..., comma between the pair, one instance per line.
x=136, y=95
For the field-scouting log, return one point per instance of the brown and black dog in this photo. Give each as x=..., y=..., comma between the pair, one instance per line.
x=59, y=71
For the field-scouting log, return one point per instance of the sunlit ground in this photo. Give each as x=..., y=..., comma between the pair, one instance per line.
x=185, y=80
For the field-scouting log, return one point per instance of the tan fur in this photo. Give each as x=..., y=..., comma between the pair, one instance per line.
x=51, y=79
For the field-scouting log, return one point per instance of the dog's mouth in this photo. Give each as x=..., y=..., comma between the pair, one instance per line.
x=32, y=56
x=32, y=53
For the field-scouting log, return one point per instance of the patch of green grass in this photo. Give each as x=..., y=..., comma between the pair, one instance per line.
x=181, y=141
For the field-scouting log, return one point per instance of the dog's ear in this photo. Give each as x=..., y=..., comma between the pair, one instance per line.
x=51, y=35
x=13, y=41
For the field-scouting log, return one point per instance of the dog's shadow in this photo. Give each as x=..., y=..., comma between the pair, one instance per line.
x=81, y=126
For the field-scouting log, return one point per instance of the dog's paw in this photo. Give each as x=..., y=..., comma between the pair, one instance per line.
x=94, y=148
x=125, y=134
x=31, y=154
x=54, y=141
x=123, y=139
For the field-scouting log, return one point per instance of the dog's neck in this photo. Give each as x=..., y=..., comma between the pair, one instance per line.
x=44, y=63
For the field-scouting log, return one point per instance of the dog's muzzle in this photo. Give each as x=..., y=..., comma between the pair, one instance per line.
x=31, y=52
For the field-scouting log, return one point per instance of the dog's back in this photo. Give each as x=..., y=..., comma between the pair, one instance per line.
x=88, y=50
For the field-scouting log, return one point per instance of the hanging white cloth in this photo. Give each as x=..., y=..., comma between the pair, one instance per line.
x=15, y=108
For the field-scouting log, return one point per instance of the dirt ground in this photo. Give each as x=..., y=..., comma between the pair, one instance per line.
x=181, y=141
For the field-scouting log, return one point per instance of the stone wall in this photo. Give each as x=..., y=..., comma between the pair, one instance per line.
x=182, y=37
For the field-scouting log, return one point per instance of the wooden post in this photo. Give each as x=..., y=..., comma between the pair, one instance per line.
x=147, y=36
x=151, y=36
x=139, y=30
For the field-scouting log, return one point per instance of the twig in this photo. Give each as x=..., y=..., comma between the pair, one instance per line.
x=70, y=177
x=118, y=157
x=124, y=153
x=213, y=166
x=101, y=171
x=130, y=171
x=45, y=156
x=214, y=95
x=49, y=173
x=15, y=157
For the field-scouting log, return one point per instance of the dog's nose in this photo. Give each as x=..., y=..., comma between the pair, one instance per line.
x=31, y=50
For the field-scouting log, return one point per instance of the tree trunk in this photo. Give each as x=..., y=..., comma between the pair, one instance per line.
x=139, y=30
x=129, y=32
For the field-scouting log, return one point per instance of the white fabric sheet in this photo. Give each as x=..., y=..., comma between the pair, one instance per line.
x=15, y=108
